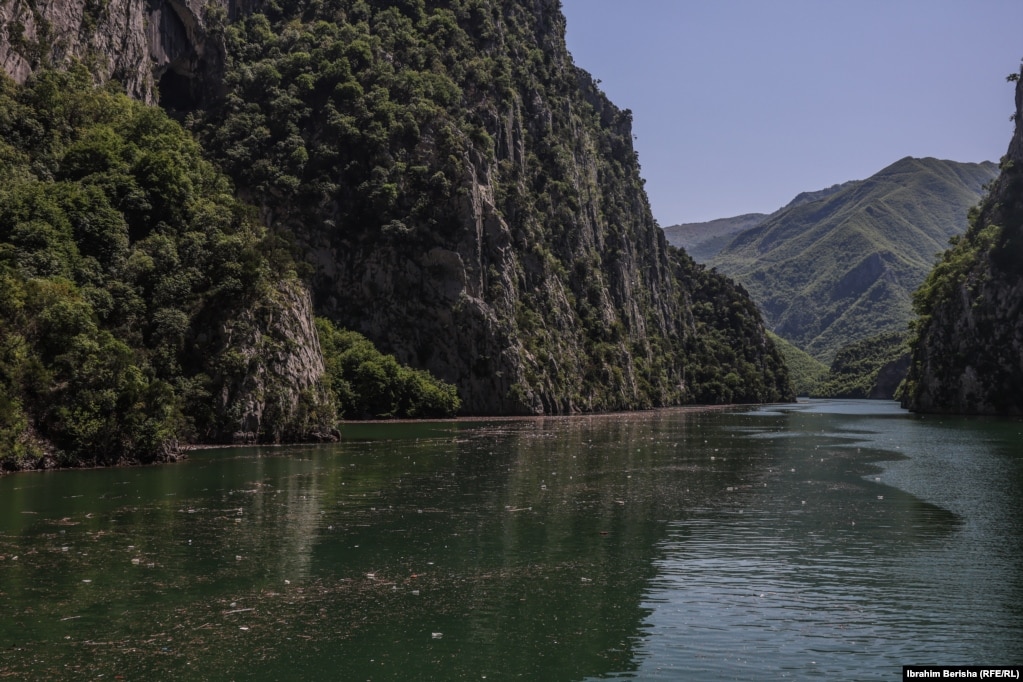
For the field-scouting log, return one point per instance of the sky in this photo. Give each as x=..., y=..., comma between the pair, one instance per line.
x=740, y=105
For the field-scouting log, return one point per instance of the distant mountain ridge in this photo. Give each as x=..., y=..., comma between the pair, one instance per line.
x=842, y=265
x=705, y=240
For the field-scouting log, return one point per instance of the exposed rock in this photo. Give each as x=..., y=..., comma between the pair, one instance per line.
x=167, y=47
x=968, y=355
x=530, y=272
x=276, y=389
x=889, y=378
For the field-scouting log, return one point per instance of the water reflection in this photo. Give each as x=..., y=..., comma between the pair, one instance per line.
x=656, y=545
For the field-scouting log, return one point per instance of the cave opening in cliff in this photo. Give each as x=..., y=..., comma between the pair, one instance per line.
x=177, y=93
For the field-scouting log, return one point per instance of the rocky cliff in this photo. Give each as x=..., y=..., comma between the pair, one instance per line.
x=469, y=199
x=465, y=196
x=146, y=46
x=968, y=351
x=274, y=391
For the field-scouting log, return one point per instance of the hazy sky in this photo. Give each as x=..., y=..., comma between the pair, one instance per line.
x=739, y=105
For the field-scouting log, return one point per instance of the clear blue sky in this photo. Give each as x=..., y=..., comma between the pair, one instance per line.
x=739, y=105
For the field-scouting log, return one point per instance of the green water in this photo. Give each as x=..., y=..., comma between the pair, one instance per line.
x=843, y=538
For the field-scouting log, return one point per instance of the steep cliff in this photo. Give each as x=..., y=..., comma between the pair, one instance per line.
x=273, y=389
x=967, y=355
x=465, y=196
x=169, y=46
x=469, y=199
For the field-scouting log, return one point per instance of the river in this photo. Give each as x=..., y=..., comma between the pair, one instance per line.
x=827, y=539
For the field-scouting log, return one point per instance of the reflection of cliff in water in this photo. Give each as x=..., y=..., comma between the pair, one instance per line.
x=535, y=548
x=528, y=543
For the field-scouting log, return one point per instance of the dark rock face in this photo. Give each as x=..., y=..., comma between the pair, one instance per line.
x=968, y=354
x=525, y=267
x=889, y=378
x=502, y=241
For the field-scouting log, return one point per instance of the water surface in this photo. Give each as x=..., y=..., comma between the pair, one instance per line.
x=782, y=542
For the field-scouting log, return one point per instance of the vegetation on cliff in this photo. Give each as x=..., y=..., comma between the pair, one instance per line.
x=731, y=357
x=468, y=200
x=142, y=304
x=967, y=345
x=124, y=259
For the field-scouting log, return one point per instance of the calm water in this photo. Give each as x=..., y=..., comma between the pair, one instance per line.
x=784, y=542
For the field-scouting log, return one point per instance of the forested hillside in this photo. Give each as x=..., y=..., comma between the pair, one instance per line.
x=869, y=368
x=705, y=240
x=842, y=266
x=967, y=349
x=805, y=372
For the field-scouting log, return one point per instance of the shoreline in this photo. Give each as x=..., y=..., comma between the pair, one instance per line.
x=181, y=452
x=578, y=415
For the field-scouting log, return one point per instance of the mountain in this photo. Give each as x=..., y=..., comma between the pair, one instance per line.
x=467, y=199
x=440, y=179
x=967, y=349
x=705, y=240
x=842, y=267
x=815, y=195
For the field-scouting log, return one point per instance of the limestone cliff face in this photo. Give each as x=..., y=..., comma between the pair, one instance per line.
x=507, y=302
x=273, y=391
x=468, y=199
x=968, y=355
x=159, y=45
x=479, y=213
